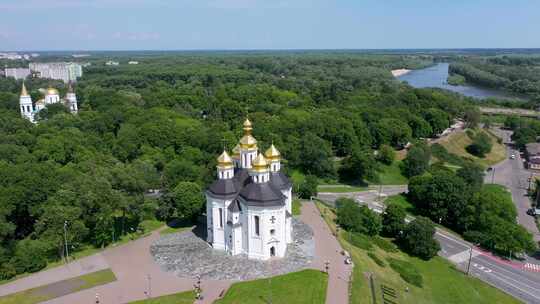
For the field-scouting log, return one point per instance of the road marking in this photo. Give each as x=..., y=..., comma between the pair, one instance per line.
x=523, y=281
x=532, y=267
x=516, y=287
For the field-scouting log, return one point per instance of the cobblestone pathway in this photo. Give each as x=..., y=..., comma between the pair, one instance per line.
x=187, y=255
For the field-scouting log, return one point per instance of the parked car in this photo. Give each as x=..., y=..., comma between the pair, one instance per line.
x=533, y=212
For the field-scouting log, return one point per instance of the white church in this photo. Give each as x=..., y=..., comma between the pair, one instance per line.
x=29, y=111
x=249, y=206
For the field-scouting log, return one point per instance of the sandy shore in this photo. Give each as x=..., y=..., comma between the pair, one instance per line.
x=400, y=72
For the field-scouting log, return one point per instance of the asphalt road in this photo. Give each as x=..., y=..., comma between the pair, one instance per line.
x=509, y=276
x=512, y=174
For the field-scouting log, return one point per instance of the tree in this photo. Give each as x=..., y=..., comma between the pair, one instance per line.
x=472, y=117
x=437, y=119
x=417, y=160
x=30, y=256
x=442, y=196
x=355, y=218
x=480, y=146
x=360, y=165
x=473, y=175
x=186, y=200
x=316, y=156
x=393, y=220
x=386, y=155
x=417, y=238
x=308, y=187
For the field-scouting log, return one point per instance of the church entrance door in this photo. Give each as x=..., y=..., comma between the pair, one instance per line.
x=272, y=251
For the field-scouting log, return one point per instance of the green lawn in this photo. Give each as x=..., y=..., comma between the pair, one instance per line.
x=61, y=288
x=296, y=207
x=442, y=283
x=391, y=175
x=457, y=142
x=186, y=297
x=340, y=188
x=303, y=287
x=400, y=199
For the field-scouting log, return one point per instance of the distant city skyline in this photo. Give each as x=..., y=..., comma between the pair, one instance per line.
x=267, y=24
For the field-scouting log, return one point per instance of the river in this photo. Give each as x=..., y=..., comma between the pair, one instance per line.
x=436, y=76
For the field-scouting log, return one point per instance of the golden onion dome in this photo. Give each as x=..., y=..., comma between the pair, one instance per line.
x=236, y=151
x=52, y=91
x=224, y=161
x=260, y=164
x=248, y=142
x=272, y=153
x=23, y=91
x=247, y=126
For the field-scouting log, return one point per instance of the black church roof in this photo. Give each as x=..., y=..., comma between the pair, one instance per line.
x=255, y=194
x=280, y=180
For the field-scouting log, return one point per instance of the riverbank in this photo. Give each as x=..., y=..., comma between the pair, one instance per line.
x=400, y=72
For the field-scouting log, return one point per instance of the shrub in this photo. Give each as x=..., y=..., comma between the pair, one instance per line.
x=384, y=244
x=480, y=146
x=357, y=219
x=386, y=155
x=308, y=187
x=7, y=271
x=376, y=259
x=407, y=272
x=29, y=256
x=359, y=240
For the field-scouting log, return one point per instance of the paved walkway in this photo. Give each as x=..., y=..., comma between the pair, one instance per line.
x=328, y=249
x=139, y=276
x=77, y=268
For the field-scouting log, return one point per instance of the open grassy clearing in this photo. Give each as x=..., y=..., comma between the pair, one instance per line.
x=457, y=142
x=303, y=287
x=441, y=282
x=186, y=297
x=61, y=288
x=391, y=174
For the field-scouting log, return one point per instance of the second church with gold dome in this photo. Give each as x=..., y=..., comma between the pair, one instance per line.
x=249, y=206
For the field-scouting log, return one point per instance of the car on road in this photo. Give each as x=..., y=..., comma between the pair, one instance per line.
x=533, y=212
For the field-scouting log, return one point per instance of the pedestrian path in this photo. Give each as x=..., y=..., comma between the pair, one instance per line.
x=328, y=252
x=76, y=268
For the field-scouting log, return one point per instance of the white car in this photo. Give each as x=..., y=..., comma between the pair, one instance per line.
x=513, y=156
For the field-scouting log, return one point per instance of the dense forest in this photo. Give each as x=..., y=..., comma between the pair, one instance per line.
x=519, y=74
x=162, y=123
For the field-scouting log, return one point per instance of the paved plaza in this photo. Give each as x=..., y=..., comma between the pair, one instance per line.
x=187, y=255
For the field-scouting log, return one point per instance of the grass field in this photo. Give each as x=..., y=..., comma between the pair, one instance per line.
x=340, y=188
x=296, y=207
x=458, y=141
x=58, y=289
x=177, y=298
x=303, y=287
x=391, y=174
x=442, y=283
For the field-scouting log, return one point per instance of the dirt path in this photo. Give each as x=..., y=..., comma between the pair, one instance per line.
x=327, y=249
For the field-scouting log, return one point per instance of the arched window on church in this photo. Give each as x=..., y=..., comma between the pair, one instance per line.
x=256, y=218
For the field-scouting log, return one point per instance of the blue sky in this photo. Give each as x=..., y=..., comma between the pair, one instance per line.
x=267, y=24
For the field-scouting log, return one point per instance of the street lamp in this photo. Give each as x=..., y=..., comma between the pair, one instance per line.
x=65, y=241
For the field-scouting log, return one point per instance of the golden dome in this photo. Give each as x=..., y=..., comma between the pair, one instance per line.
x=248, y=142
x=224, y=161
x=247, y=126
x=272, y=153
x=236, y=151
x=52, y=91
x=260, y=164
